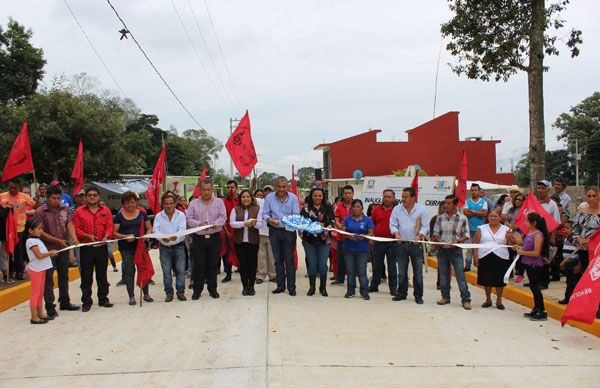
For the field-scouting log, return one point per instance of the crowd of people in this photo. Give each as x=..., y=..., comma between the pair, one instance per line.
x=244, y=230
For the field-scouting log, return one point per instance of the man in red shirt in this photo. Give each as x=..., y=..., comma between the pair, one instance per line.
x=381, y=218
x=93, y=223
x=230, y=201
x=342, y=210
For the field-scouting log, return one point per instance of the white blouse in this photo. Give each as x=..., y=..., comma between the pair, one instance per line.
x=488, y=237
x=240, y=224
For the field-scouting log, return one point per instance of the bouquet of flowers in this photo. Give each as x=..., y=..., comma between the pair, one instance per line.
x=302, y=224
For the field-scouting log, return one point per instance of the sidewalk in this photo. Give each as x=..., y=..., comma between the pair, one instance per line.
x=282, y=341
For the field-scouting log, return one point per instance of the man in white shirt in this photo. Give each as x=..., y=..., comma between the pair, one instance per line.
x=172, y=250
x=559, y=188
x=266, y=262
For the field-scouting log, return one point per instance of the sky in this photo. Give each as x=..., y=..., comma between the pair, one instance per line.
x=307, y=71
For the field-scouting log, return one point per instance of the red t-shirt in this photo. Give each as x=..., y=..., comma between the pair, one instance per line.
x=381, y=219
x=341, y=211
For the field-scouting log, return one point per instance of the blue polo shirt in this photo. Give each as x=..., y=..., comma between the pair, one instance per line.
x=361, y=226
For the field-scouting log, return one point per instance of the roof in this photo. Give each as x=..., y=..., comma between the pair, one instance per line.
x=324, y=146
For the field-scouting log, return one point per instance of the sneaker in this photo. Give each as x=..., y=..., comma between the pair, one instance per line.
x=348, y=295
x=366, y=297
x=398, y=298
x=519, y=279
x=443, y=301
x=466, y=306
x=337, y=283
x=418, y=300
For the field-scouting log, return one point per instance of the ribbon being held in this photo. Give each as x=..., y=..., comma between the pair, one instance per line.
x=302, y=224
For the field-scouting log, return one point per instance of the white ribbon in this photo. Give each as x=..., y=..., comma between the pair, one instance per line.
x=510, y=269
x=156, y=236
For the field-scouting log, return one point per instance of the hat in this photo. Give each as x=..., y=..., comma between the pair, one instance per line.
x=81, y=192
x=513, y=188
x=555, y=197
x=54, y=183
x=545, y=183
x=269, y=187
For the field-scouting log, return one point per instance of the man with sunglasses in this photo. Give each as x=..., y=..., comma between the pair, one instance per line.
x=93, y=223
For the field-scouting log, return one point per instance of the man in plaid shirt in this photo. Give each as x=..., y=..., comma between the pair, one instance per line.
x=451, y=228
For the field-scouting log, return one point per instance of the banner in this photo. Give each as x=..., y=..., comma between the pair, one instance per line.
x=432, y=189
x=241, y=148
x=19, y=159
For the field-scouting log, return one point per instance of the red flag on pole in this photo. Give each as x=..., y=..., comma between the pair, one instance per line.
x=196, y=192
x=461, y=188
x=145, y=269
x=12, y=237
x=415, y=185
x=241, y=147
x=19, y=159
x=583, y=305
x=77, y=173
x=153, y=192
x=532, y=205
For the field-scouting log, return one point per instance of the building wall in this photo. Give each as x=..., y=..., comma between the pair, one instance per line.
x=435, y=146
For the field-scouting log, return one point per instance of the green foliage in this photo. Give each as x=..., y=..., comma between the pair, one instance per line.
x=21, y=64
x=304, y=176
x=493, y=38
x=582, y=124
x=560, y=163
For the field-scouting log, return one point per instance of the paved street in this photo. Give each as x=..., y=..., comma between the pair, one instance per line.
x=282, y=341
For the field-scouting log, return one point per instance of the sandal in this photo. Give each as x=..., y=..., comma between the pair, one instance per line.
x=132, y=302
x=499, y=306
x=38, y=322
x=486, y=305
x=148, y=299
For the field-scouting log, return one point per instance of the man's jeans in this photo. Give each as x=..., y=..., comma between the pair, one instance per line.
x=414, y=252
x=283, y=244
x=469, y=260
x=388, y=250
x=447, y=258
x=173, y=256
x=356, y=264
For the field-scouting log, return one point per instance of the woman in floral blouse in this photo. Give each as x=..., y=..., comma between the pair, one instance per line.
x=317, y=246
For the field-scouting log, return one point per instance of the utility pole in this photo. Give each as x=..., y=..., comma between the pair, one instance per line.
x=577, y=159
x=231, y=122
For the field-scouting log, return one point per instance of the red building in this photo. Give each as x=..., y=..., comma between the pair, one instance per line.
x=435, y=146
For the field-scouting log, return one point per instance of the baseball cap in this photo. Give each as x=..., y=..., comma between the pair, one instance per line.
x=81, y=192
x=545, y=183
x=54, y=183
x=269, y=187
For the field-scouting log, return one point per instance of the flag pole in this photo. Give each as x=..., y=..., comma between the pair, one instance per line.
x=35, y=183
x=141, y=297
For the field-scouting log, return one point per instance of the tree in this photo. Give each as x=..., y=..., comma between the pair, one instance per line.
x=499, y=38
x=560, y=163
x=582, y=125
x=266, y=178
x=21, y=64
x=304, y=176
x=57, y=120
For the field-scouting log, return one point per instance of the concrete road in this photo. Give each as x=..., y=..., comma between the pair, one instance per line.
x=283, y=341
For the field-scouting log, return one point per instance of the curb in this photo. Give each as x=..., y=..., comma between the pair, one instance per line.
x=19, y=294
x=525, y=298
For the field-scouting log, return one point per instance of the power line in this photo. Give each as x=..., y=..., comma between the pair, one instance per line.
x=222, y=55
x=209, y=53
x=154, y=67
x=202, y=62
x=94, y=48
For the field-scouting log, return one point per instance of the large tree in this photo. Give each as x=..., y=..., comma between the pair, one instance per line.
x=21, y=64
x=582, y=126
x=496, y=39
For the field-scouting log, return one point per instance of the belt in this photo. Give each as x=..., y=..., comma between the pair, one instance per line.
x=208, y=236
x=172, y=246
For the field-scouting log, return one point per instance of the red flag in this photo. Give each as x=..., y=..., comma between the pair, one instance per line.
x=241, y=147
x=12, y=237
x=145, y=269
x=196, y=193
x=461, y=188
x=583, y=305
x=532, y=205
x=153, y=192
x=415, y=185
x=77, y=173
x=19, y=159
